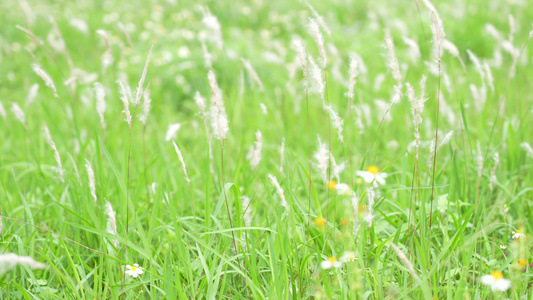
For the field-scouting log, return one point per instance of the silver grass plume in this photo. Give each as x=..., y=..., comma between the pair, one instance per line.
x=417, y=108
x=30, y=34
x=338, y=123
x=125, y=101
x=253, y=74
x=527, y=147
x=219, y=119
x=318, y=85
x=207, y=56
x=247, y=209
x=107, y=57
x=111, y=222
x=32, y=94
x=46, y=78
x=211, y=23
x=200, y=102
x=488, y=74
x=171, y=131
x=353, y=73
x=100, y=102
x=414, y=49
x=355, y=206
x=453, y=50
x=50, y=141
x=143, y=76
x=322, y=157
x=92, y=182
x=371, y=196
x=319, y=40
x=8, y=261
x=302, y=57
x=432, y=150
x=394, y=68
x=18, y=113
x=279, y=191
x=437, y=29
x=146, y=106
x=180, y=157
x=405, y=261
x=319, y=18
x=255, y=151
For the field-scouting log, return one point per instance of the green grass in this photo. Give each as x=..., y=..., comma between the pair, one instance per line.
x=181, y=236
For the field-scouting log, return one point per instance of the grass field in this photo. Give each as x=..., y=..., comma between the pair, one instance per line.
x=323, y=150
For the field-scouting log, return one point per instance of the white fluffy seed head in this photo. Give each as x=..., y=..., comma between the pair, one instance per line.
x=405, y=261
x=302, y=57
x=143, y=77
x=180, y=157
x=392, y=60
x=319, y=40
x=279, y=191
x=317, y=82
x=338, y=123
x=18, y=113
x=32, y=93
x=321, y=157
x=414, y=49
x=254, y=156
x=219, y=119
x=92, y=182
x=353, y=73
x=111, y=222
x=493, y=177
x=527, y=147
x=147, y=105
x=171, y=131
x=200, y=102
x=57, y=158
x=9, y=261
x=247, y=209
x=100, y=102
x=253, y=74
x=125, y=101
x=46, y=78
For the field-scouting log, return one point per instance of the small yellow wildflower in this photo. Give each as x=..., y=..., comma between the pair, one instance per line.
x=331, y=185
x=522, y=262
x=373, y=169
x=344, y=221
x=320, y=222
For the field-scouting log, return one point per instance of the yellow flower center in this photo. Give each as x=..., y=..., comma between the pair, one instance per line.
x=332, y=259
x=522, y=262
x=373, y=169
x=331, y=185
x=497, y=275
x=133, y=268
x=320, y=222
x=518, y=231
x=344, y=221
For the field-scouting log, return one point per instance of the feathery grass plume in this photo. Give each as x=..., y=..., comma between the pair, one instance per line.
x=302, y=57
x=319, y=18
x=125, y=101
x=264, y=109
x=211, y=23
x=477, y=65
x=143, y=76
x=394, y=67
x=92, y=182
x=107, y=57
x=355, y=207
x=254, y=156
x=253, y=74
x=479, y=95
x=414, y=49
x=8, y=261
x=318, y=85
x=371, y=197
x=319, y=40
x=146, y=106
x=247, y=209
x=322, y=156
x=279, y=191
x=512, y=28
x=2, y=111
x=453, y=50
x=180, y=157
x=126, y=34
x=100, y=102
x=492, y=31
x=336, y=169
x=219, y=119
x=433, y=151
x=338, y=123
x=527, y=147
x=282, y=155
x=405, y=261
x=417, y=108
x=488, y=73
x=437, y=29
x=200, y=102
x=171, y=131
x=30, y=34
x=353, y=73
x=207, y=56
x=18, y=113
x=46, y=78
x=32, y=94
x=50, y=141
x=111, y=222
x=493, y=177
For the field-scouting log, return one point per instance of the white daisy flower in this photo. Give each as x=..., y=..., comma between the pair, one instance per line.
x=503, y=247
x=518, y=235
x=341, y=188
x=372, y=175
x=496, y=281
x=331, y=262
x=348, y=256
x=134, y=271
